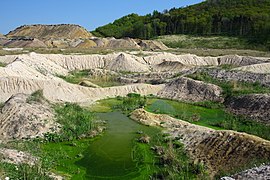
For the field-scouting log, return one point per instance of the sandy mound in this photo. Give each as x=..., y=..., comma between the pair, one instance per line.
x=122, y=43
x=228, y=75
x=60, y=31
x=186, y=59
x=150, y=78
x=114, y=62
x=31, y=72
x=32, y=67
x=22, y=118
x=3, y=41
x=76, y=62
x=254, y=106
x=57, y=43
x=186, y=89
x=127, y=63
x=86, y=44
x=2, y=36
x=8, y=59
x=263, y=68
x=25, y=43
x=88, y=84
x=193, y=60
x=61, y=91
x=220, y=151
x=169, y=66
x=152, y=45
x=240, y=60
x=159, y=58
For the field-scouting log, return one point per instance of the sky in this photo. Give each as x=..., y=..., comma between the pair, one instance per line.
x=87, y=13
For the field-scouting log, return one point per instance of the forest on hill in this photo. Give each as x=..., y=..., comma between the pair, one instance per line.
x=249, y=19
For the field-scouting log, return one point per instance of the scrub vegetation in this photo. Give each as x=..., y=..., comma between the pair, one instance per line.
x=231, y=88
x=76, y=77
x=2, y=64
x=208, y=114
x=23, y=171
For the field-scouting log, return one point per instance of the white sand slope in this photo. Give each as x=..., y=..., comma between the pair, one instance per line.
x=29, y=72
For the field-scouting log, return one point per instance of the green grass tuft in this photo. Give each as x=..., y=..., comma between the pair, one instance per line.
x=231, y=88
x=36, y=96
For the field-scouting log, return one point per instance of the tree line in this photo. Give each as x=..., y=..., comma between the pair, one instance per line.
x=245, y=18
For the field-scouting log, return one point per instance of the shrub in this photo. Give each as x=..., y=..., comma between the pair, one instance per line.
x=75, y=120
x=36, y=96
x=133, y=101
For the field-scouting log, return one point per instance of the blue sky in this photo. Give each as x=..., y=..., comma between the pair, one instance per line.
x=87, y=13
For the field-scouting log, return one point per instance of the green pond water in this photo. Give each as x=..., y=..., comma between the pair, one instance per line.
x=116, y=154
x=186, y=111
x=113, y=155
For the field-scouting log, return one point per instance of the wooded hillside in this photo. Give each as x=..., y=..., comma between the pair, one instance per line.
x=245, y=18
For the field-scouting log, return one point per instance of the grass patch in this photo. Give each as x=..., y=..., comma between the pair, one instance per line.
x=206, y=42
x=194, y=114
x=169, y=159
x=77, y=77
x=212, y=116
x=208, y=114
x=2, y=64
x=125, y=104
x=106, y=105
x=62, y=157
x=231, y=88
x=76, y=122
x=23, y=171
x=219, y=52
x=2, y=104
x=131, y=102
x=36, y=96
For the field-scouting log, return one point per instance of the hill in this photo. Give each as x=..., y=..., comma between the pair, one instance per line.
x=242, y=18
x=60, y=31
x=2, y=36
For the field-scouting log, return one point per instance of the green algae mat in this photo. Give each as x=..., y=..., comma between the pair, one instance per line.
x=114, y=155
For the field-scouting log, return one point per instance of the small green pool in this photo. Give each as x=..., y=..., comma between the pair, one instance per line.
x=186, y=111
x=110, y=156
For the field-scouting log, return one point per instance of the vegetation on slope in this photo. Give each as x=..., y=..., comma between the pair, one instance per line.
x=76, y=77
x=205, y=42
x=207, y=114
x=2, y=64
x=77, y=126
x=245, y=18
x=231, y=88
x=23, y=171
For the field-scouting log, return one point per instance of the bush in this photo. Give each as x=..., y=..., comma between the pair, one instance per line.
x=231, y=88
x=36, y=96
x=133, y=101
x=75, y=120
